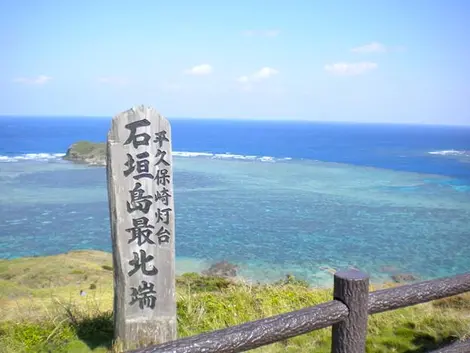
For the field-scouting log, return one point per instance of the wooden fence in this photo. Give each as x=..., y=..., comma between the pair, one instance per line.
x=348, y=314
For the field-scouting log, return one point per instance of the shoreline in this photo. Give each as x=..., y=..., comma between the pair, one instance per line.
x=244, y=273
x=100, y=162
x=94, y=154
x=66, y=302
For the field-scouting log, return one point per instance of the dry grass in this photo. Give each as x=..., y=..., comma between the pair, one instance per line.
x=41, y=309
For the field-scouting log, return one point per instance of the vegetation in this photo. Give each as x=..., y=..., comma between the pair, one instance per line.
x=63, y=303
x=87, y=152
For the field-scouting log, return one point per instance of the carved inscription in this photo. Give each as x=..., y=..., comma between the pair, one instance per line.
x=148, y=228
x=141, y=204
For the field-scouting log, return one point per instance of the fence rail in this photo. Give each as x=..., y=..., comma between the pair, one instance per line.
x=347, y=313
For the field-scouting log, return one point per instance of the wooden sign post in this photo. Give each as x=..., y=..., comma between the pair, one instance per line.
x=140, y=194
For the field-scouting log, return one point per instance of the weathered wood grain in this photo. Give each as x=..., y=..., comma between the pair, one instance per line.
x=343, y=309
x=141, y=206
x=351, y=287
x=254, y=334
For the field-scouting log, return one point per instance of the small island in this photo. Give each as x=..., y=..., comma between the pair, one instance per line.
x=86, y=152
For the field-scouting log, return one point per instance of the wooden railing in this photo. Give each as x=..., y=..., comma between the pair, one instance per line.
x=348, y=314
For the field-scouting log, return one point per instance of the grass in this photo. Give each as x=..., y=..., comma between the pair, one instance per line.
x=86, y=149
x=41, y=309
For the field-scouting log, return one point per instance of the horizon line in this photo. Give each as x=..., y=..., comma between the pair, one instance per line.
x=55, y=116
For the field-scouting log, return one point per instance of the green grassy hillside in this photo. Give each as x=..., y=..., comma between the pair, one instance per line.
x=41, y=309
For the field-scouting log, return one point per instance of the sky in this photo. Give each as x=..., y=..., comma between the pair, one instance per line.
x=364, y=61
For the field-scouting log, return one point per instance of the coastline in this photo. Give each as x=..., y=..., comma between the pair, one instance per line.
x=270, y=256
x=94, y=154
x=36, y=290
x=240, y=273
x=311, y=244
x=64, y=303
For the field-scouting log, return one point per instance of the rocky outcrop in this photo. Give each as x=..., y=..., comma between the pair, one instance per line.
x=404, y=277
x=222, y=269
x=86, y=152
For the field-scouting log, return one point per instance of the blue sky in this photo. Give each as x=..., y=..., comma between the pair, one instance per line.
x=381, y=61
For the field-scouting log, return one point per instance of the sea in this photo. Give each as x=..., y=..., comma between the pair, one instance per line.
x=272, y=197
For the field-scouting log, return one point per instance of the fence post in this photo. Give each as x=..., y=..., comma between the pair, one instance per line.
x=352, y=288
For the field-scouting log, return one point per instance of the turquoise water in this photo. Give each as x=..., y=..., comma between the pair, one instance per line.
x=269, y=217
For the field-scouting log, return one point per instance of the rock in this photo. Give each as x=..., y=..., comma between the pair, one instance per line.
x=86, y=152
x=221, y=269
x=404, y=277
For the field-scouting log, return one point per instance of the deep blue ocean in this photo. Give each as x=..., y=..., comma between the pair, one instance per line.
x=274, y=197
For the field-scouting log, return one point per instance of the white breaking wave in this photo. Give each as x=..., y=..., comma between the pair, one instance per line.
x=192, y=154
x=451, y=153
x=229, y=156
x=58, y=156
x=32, y=157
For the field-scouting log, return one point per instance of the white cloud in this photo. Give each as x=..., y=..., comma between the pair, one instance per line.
x=262, y=74
x=350, y=69
x=199, y=70
x=373, y=47
x=39, y=80
x=262, y=33
x=243, y=79
x=114, y=81
x=265, y=72
x=376, y=47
